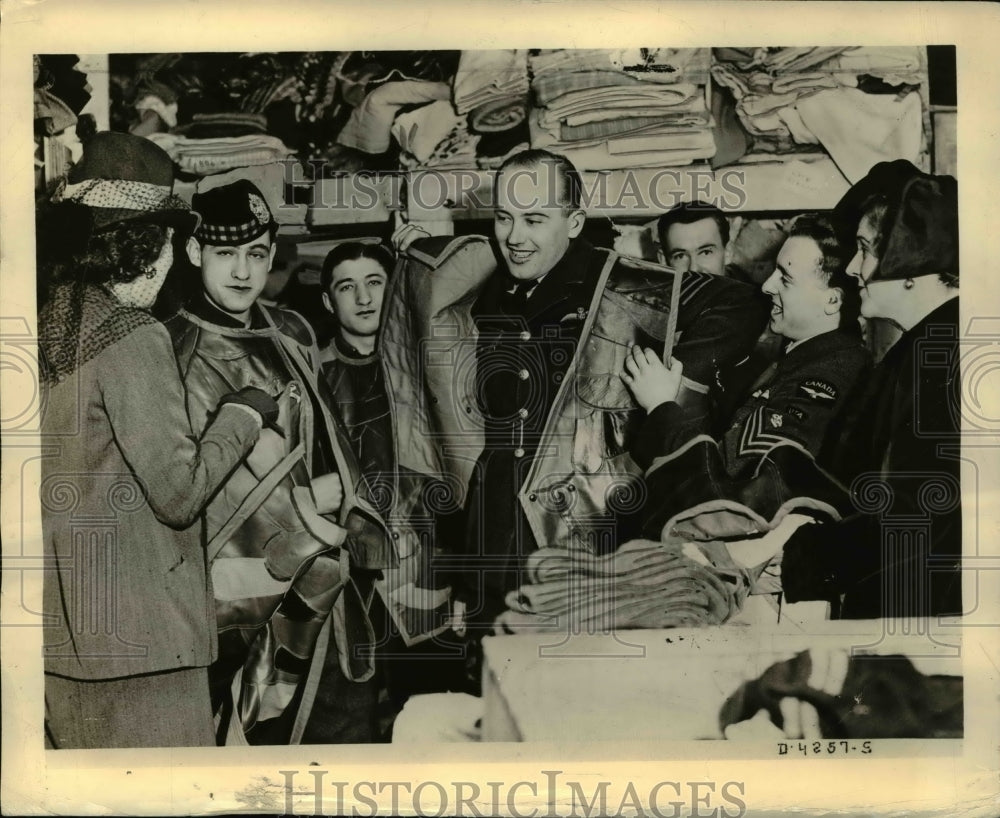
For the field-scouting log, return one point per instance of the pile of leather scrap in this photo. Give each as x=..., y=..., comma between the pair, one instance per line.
x=879, y=697
x=644, y=584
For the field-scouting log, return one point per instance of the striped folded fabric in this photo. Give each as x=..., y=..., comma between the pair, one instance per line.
x=661, y=97
x=218, y=154
x=645, y=584
x=484, y=76
x=601, y=129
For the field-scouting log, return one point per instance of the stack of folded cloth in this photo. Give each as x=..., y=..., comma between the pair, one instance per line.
x=860, y=104
x=644, y=584
x=493, y=86
x=434, y=136
x=222, y=124
x=626, y=108
x=216, y=155
x=491, y=89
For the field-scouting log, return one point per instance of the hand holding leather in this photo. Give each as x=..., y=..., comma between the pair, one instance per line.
x=650, y=381
x=258, y=400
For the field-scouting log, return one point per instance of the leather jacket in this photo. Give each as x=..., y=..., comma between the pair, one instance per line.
x=357, y=391
x=278, y=564
x=582, y=475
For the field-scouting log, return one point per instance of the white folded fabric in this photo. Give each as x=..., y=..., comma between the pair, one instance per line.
x=858, y=129
x=420, y=131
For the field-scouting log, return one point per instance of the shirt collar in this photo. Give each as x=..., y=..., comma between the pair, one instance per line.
x=200, y=306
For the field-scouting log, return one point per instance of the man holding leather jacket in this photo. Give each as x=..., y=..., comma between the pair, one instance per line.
x=533, y=421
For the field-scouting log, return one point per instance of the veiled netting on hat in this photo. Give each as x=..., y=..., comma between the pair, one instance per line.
x=113, y=194
x=79, y=322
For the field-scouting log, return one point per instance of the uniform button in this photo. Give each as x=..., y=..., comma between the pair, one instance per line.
x=519, y=452
x=522, y=413
x=468, y=410
x=525, y=335
x=523, y=374
x=571, y=487
x=395, y=535
x=532, y=497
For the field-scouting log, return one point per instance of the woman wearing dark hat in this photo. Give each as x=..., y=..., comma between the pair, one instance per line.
x=130, y=630
x=900, y=555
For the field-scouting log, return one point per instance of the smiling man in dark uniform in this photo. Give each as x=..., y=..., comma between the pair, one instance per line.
x=534, y=333
x=545, y=333
x=529, y=317
x=800, y=400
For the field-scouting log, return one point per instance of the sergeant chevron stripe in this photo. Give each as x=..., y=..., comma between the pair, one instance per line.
x=755, y=440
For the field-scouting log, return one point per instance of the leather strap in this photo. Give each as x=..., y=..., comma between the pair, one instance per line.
x=312, y=680
x=252, y=501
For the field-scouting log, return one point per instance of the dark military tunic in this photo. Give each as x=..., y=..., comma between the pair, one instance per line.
x=527, y=339
x=798, y=398
x=357, y=387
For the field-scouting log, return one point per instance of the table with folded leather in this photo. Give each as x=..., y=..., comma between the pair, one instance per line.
x=678, y=684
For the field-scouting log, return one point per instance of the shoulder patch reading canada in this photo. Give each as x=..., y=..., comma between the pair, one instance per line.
x=818, y=390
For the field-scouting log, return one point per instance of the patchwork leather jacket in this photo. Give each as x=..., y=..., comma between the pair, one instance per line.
x=279, y=563
x=582, y=476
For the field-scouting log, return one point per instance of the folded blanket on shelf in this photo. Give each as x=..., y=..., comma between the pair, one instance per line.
x=549, y=87
x=859, y=130
x=222, y=125
x=779, y=92
x=499, y=114
x=602, y=129
x=659, y=146
x=790, y=60
x=896, y=65
x=653, y=65
x=483, y=76
x=609, y=103
x=205, y=156
x=370, y=125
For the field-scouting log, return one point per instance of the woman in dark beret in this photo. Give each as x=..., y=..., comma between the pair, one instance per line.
x=900, y=554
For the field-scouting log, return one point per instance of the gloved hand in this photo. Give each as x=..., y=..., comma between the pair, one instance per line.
x=258, y=400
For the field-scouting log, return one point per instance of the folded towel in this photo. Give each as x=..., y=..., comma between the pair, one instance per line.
x=500, y=114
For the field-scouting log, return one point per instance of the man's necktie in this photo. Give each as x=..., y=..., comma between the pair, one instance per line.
x=517, y=299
